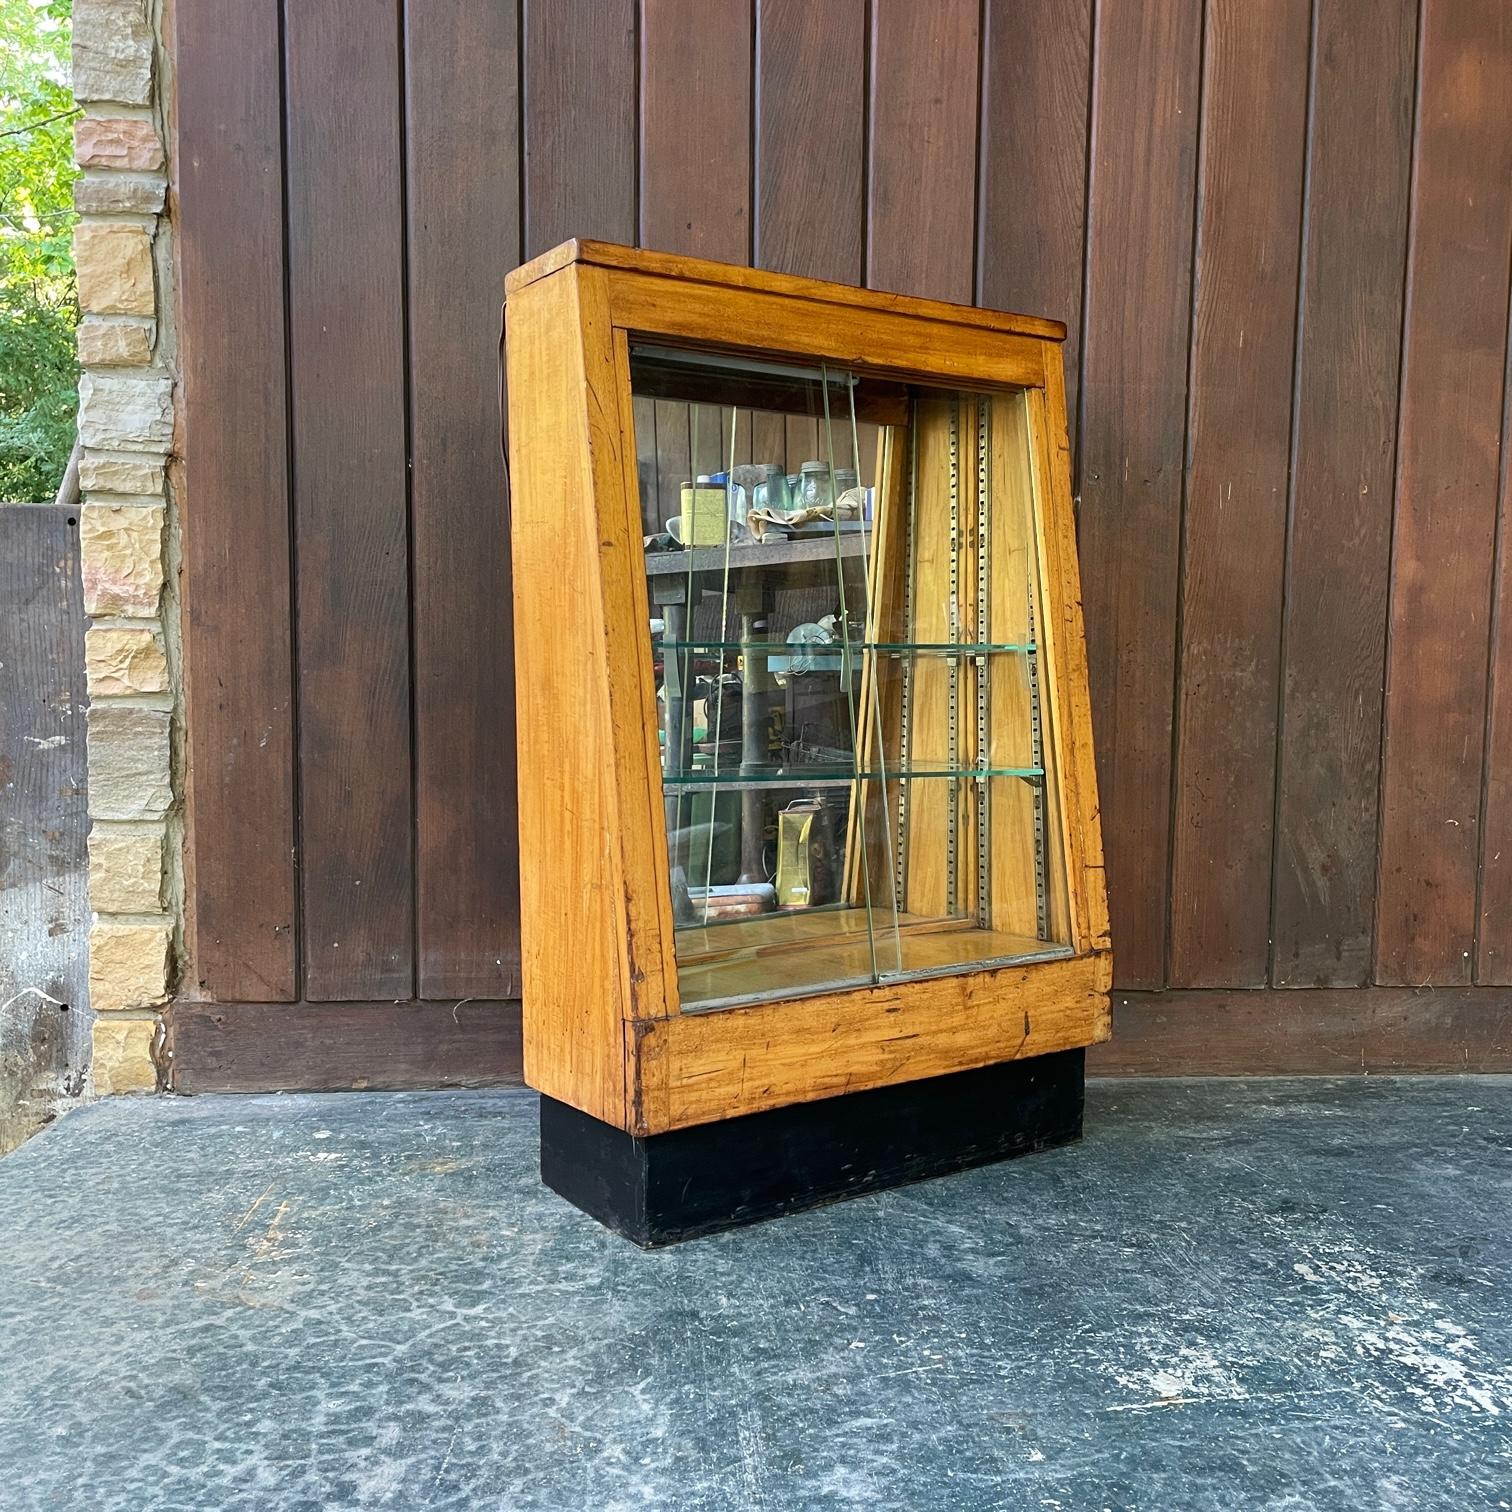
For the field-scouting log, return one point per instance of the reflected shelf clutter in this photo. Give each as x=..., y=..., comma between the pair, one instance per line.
x=811, y=876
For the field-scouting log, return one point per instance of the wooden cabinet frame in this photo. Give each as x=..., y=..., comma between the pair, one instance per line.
x=604, y=1031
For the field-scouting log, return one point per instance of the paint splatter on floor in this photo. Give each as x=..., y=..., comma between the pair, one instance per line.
x=1269, y=1294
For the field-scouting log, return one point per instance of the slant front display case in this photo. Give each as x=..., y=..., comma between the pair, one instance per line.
x=811, y=878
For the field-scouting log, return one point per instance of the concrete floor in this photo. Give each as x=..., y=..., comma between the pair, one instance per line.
x=1281, y=1294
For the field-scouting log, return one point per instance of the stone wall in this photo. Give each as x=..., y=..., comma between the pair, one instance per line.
x=127, y=524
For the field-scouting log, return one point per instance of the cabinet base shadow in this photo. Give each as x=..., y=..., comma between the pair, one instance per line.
x=666, y=1187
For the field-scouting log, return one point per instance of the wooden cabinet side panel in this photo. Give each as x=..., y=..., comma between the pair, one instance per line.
x=1066, y=655
x=572, y=896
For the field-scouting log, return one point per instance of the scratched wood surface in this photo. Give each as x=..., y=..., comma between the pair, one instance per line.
x=1259, y=518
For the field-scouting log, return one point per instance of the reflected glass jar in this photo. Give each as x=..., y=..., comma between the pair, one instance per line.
x=772, y=493
x=816, y=486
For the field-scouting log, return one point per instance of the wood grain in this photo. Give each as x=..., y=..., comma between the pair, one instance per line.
x=579, y=121
x=1143, y=151
x=1036, y=62
x=1063, y=634
x=45, y=1024
x=699, y=1067
x=240, y=905
x=695, y=127
x=1328, y=1032
x=340, y=1047
x=572, y=931
x=1453, y=364
x=1494, y=941
x=1238, y=461
x=922, y=158
x=1328, y=772
x=463, y=228
x=811, y=137
x=698, y=274
x=346, y=332
x=601, y=981
x=905, y=344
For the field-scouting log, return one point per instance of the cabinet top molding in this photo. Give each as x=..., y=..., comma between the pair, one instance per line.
x=734, y=276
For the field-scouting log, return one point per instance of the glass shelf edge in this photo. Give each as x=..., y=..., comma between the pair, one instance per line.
x=839, y=648
x=734, y=780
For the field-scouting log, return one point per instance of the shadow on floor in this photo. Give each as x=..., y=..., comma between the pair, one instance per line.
x=1287, y=1294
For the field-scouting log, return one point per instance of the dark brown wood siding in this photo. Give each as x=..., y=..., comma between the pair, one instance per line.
x=1279, y=235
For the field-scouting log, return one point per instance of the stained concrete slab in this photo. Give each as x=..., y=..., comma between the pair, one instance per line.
x=1265, y=1294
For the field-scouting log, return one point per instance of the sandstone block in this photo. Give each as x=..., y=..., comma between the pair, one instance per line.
x=120, y=413
x=122, y=550
x=123, y=1055
x=111, y=143
x=115, y=343
x=128, y=964
x=129, y=762
x=114, y=268
x=112, y=51
x=126, y=868
x=123, y=475
x=124, y=661
x=119, y=193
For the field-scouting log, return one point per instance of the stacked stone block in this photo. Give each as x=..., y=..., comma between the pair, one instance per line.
x=126, y=427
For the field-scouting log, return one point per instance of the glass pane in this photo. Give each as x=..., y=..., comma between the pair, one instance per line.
x=856, y=743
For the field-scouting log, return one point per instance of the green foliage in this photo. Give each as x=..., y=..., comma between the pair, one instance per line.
x=38, y=299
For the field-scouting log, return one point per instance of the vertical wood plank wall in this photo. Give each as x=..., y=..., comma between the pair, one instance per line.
x=1278, y=233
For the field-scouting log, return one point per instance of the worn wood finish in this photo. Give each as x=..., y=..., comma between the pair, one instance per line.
x=1139, y=232
x=1036, y=71
x=1063, y=631
x=346, y=331
x=896, y=340
x=1007, y=177
x=1494, y=941
x=461, y=118
x=695, y=127
x=921, y=196
x=341, y=1047
x=1329, y=739
x=579, y=114
x=572, y=904
x=1329, y=1031
x=811, y=137
x=1453, y=364
x=1238, y=455
x=603, y=1028
x=696, y=276
x=44, y=820
x=240, y=828
x=699, y=1067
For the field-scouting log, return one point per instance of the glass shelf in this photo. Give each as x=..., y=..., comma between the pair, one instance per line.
x=835, y=648
x=838, y=775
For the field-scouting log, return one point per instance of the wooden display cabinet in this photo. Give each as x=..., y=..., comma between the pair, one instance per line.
x=811, y=878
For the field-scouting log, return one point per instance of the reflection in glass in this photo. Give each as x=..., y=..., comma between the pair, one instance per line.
x=854, y=724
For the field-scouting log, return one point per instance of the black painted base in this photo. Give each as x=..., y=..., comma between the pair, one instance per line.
x=695, y=1181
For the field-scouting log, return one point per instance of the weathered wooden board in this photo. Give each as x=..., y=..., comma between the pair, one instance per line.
x=1454, y=349
x=240, y=854
x=1038, y=154
x=44, y=906
x=1332, y=1031
x=351, y=505
x=340, y=1047
x=1238, y=458
x=463, y=236
x=1133, y=398
x=1339, y=550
